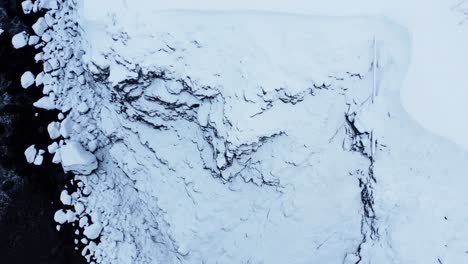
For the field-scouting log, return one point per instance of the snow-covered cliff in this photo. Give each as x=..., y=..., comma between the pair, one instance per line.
x=245, y=137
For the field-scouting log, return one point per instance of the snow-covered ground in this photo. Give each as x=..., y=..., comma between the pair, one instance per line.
x=438, y=46
x=234, y=136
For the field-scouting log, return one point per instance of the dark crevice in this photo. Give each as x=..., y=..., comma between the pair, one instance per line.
x=361, y=142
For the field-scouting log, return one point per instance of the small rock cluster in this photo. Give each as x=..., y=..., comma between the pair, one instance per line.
x=73, y=135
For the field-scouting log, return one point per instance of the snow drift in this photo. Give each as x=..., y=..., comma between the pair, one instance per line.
x=245, y=137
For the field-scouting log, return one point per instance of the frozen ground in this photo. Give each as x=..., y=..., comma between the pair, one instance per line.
x=438, y=39
x=253, y=136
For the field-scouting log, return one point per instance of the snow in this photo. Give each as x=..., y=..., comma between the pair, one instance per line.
x=30, y=153
x=65, y=198
x=54, y=130
x=83, y=107
x=436, y=27
x=46, y=102
x=76, y=159
x=33, y=40
x=92, y=231
x=60, y=217
x=40, y=26
x=20, y=40
x=39, y=157
x=79, y=208
x=27, y=6
x=27, y=79
x=66, y=127
x=169, y=164
x=253, y=136
x=52, y=148
x=56, y=159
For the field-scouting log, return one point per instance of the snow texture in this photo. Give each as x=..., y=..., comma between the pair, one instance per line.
x=30, y=153
x=27, y=6
x=76, y=159
x=20, y=40
x=244, y=137
x=40, y=26
x=27, y=79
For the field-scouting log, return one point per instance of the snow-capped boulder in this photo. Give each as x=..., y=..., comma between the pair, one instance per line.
x=65, y=198
x=46, y=102
x=66, y=127
x=39, y=157
x=30, y=153
x=33, y=40
x=76, y=159
x=27, y=6
x=20, y=40
x=27, y=79
x=93, y=231
x=52, y=148
x=54, y=130
x=60, y=217
x=40, y=26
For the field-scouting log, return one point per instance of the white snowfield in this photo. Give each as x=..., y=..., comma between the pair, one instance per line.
x=76, y=159
x=246, y=137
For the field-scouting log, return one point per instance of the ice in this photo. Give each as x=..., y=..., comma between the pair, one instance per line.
x=27, y=79
x=66, y=127
x=54, y=63
x=46, y=37
x=119, y=73
x=33, y=40
x=83, y=221
x=92, y=145
x=60, y=216
x=79, y=208
x=20, y=40
x=38, y=56
x=47, y=67
x=49, y=4
x=65, y=198
x=57, y=157
x=49, y=19
x=1, y=31
x=54, y=130
x=248, y=119
x=46, y=102
x=93, y=231
x=40, y=26
x=39, y=157
x=83, y=107
x=27, y=6
x=52, y=148
x=30, y=153
x=76, y=159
